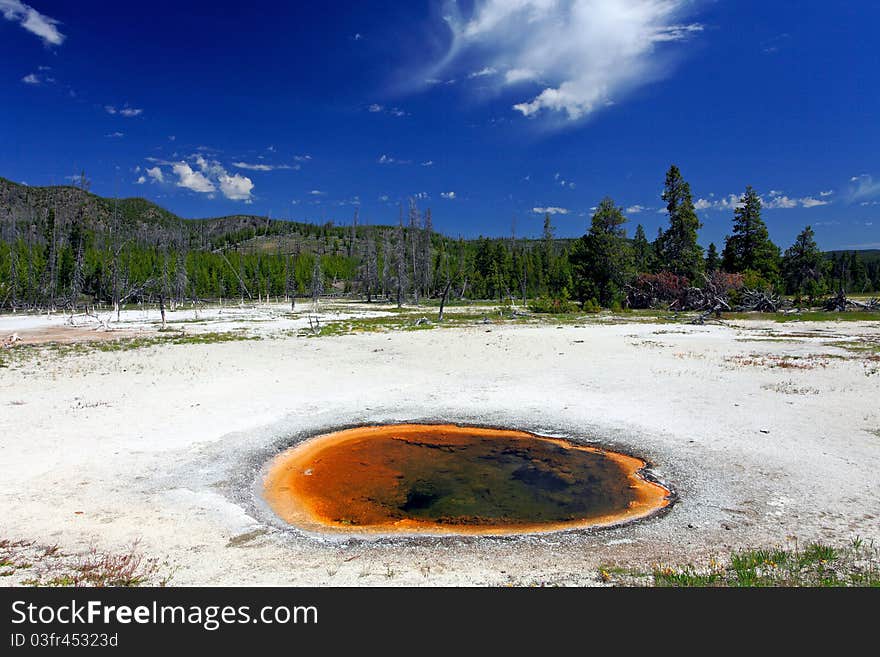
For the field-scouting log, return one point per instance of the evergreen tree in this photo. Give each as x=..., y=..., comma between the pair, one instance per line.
x=642, y=252
x=547, y=247
x=677, y=247
x=802, y=265
x=602, y=259
x=713, y=263
x=750, y=247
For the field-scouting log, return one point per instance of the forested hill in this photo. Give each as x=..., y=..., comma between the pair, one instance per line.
x=141, y=218
x=65, y=247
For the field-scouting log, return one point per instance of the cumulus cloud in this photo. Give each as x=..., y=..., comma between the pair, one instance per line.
x=775, y=200
x=636, y=209
x=428, y=163
x=206, y=178
x=317, y=192
x=140, y=181
x=448, y=195
x=584, y=53
x=33, y=21
x=550, y=210
x=374, y=108
x=31, y=78
x=192, y=180
x=115, y=135
x=236, y=187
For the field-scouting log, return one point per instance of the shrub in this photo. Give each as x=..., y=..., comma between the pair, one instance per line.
x=554, y=305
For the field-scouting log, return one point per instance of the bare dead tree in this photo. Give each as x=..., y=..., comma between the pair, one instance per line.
x=369, y=270
x=386, y=265
x=115, y=251
x=13, y=264
x=181, y=277
x=352, y=236
x=317, y=281
x=413, y=235
x=164, y=285
x=447, y=287
x=400, y=260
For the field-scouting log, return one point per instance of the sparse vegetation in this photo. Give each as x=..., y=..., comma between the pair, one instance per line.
x=50, y=566
x=816, y=564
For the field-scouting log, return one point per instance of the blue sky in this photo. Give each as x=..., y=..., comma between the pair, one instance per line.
x=486, y=111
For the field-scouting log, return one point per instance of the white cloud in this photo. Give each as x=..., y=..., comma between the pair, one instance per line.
x=448, y=195
x=864, y=187
x=428, y=163
x=586, y=53
x=33, y=21
x=387, y=159
x=115, y=135
x=236, y=187
x=384, y=198
x=775, y=200
x=376, y=108
x=211, y=176
x=778, y=200
x=830, y=192
x=123, y=111
x=483, y=72
x=302, y=158
x=810, y=202
x=156, y=174
x=358, y=36
x=192, y=180
x=317, y=192
x=550, y=210
x=636, y=209
x=517, y=75
x=264, y=167
x=141, y=180
x=31, y=78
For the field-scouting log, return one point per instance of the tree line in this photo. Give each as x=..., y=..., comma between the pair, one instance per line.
x=59, y=258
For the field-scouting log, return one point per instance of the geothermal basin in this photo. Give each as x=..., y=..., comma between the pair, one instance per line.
x=450, y=479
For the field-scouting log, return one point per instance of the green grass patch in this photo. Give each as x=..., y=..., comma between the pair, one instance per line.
x=816, y=564
x=22, y=353
x=809, y=316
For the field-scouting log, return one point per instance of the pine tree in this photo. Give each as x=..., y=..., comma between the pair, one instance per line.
x=547, y=248
x=713, y=263
x=641, y=251
x=602, y=259
x=802, y=265
x=750, y=248
x=677, y=247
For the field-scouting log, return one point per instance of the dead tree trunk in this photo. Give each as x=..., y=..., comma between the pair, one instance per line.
x=443, y=299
